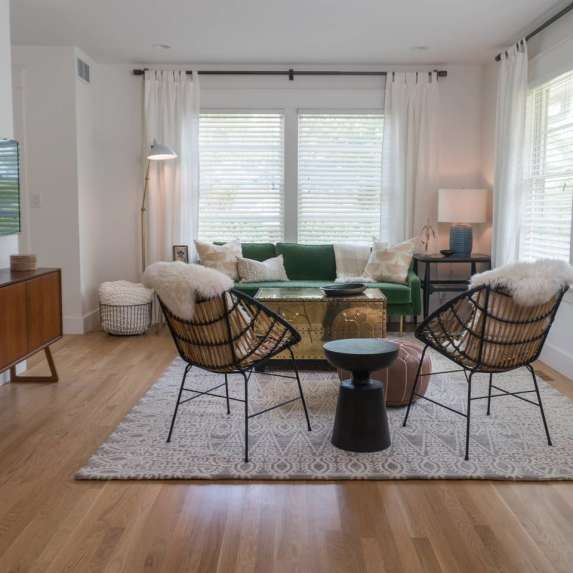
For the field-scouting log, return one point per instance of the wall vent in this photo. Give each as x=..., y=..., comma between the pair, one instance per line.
x=83, y=70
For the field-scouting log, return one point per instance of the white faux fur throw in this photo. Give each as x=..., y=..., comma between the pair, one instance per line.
x=529, y=283
x=179, y=284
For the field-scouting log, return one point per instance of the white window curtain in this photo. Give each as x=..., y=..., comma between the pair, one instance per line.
x=510, y=152
x=171, y=106
x=409, y=156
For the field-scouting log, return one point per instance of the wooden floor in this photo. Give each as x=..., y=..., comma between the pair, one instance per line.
x=50, y=524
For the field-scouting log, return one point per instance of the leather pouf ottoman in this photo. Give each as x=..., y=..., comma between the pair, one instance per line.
x=399, y=377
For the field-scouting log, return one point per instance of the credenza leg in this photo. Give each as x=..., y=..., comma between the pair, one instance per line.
x=53, y=377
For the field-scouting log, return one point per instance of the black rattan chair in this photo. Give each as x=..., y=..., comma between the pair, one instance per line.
x=484, y=331
x=232, y=334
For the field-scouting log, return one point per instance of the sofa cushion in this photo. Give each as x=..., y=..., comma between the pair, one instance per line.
x=395, y=293
x=258, y=251
x=255, y=251
x=308, y=262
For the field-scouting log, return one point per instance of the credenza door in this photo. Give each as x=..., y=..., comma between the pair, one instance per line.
x=13, y=327
x=44, y=310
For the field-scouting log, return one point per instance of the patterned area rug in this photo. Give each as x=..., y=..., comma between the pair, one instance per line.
x=208, y=444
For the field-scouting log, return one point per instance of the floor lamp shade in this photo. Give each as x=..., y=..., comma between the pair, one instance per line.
x=462, y=207
x=160, y=152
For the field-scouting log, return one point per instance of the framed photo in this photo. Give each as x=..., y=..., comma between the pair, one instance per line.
x=181, y=253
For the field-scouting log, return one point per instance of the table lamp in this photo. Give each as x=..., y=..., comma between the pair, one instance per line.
x=157, y=152
x=462, y=207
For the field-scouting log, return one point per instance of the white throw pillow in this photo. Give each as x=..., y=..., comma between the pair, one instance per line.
x=220, y=257
x=251, y=271
x=390, y=264
x=351, y=260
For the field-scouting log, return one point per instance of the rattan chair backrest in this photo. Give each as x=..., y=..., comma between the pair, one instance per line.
x=487, y=330
x=229, y=332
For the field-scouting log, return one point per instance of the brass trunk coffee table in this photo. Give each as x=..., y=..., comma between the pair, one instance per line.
x=320, y=318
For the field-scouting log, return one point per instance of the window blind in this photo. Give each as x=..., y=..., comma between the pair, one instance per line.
x=339, y=176
x=9, y=188
x=547, y=213
x=241, y=176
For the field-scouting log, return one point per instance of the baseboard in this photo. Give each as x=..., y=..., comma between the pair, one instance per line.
x=82, y=324
x=558, y=359
x=91, y=321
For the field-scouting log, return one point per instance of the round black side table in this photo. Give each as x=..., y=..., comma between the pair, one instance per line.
x=361, y=423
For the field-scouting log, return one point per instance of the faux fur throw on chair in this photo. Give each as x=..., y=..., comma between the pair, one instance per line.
x=529, y=283
x=179, y=284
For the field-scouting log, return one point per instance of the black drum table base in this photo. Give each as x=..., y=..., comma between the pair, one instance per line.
x=361, y=423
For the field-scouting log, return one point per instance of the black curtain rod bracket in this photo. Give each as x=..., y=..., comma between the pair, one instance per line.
x=291, y=73
x=543, y=26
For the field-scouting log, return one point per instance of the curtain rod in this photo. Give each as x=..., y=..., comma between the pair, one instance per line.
x=545, y=25
x=290, y=73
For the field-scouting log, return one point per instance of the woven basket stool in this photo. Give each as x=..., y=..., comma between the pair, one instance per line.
x=400, y=376
x=125, y=308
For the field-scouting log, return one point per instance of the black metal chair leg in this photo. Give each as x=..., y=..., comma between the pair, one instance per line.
x=187, y=368
x=489, y=394
x=300, y=389
x=246, y=417
x=227, y=394
x=468, y=416
x=540, y=404
x=415, y=385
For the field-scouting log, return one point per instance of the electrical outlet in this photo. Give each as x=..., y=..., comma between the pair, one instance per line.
x=35, y=200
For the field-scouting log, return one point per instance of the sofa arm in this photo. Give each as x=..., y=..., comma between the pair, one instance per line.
x=414, y=283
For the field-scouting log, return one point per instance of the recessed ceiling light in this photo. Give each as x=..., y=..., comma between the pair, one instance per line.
x=162, y=46
x=420, y=48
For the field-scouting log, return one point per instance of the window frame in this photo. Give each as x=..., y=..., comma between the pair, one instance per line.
x=288, y=99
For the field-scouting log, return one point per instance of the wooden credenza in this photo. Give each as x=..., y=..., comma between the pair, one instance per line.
x=30, y=318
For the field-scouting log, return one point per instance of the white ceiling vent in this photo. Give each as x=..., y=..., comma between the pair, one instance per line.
x=83, y=70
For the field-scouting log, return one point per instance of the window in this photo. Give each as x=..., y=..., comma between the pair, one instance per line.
x=546, y=223
x=339, y=176
x=241, y=177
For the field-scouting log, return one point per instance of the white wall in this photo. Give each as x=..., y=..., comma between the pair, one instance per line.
x=48, y=109
x=8, y=245
x=461, y=150
x=82, y=171
x=109, y=124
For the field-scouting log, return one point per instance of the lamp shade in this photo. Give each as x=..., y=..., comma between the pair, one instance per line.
x=462, y=205
x=160, y=152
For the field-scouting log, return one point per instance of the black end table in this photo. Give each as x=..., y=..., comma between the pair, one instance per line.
x=446, y=285
x=361, y=423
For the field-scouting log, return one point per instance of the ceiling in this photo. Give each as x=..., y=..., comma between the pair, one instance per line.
x=278, y=31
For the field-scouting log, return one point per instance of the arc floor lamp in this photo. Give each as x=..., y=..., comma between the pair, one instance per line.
x=157, y=152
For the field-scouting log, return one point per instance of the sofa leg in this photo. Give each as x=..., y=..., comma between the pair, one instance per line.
x=401, y=325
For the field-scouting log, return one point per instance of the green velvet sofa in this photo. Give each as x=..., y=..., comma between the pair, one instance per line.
x=315, y=266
